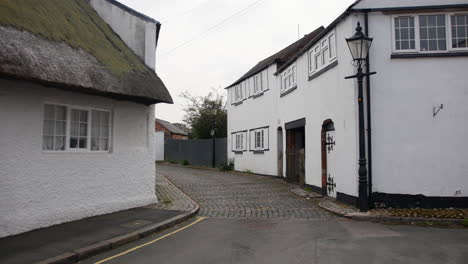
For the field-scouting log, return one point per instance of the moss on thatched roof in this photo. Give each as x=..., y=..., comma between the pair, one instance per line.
x=76, y=23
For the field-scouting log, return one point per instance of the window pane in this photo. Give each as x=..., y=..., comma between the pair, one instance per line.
x=75, y=115
x=82, y=142
x=423, y=33
x=61, y=113
x=442, y=44
x=424, y=45
x=95, y=117
x=432, y=33
x=60, y=143
x=431, y=21
x=73, y=142
x=461, y=31
x=405, y=45
x=404, y=22
x=94, y=130
x=441, y=33
x=49, y=112
x=94, y=144
x=83, y=130
x=60, y=127
x=432, y=44
x=104, y=131
x=48, y=128
x=103, y=144
x=47, y=142
x=74, y=128
x=404, y=33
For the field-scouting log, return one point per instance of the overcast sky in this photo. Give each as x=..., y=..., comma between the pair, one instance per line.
x=206, y=44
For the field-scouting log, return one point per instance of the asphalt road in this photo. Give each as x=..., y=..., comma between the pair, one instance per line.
x=285, y=237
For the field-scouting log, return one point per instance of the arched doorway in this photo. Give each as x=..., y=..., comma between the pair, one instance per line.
x=328, y=158
x=279, y=144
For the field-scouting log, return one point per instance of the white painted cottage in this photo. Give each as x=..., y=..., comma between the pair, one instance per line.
x=299, y=119
x=77, y=94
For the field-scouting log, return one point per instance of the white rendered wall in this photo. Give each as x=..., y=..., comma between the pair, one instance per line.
x=137, y=33
x=39, y=189
x=254, y=113
x=414, y=152
x=328, y=96
x=159, y=145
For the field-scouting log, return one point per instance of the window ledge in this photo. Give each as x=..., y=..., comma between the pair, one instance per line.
x=258, y=152
x=319, y=72
x=288, y=91
x=238, y=152
x=258, y=94
x=429, y=55
x=238, y=103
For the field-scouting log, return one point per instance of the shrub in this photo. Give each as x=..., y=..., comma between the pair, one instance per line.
x=173, y=162
x=248, y=172
x=228, y=165
x=185, y=162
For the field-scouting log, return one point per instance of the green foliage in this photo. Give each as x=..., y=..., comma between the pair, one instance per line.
x=308, y=189
x=173, y=162
x=199, y=115
x=228, y=165
x=465, y=223
x=248, y=171
x=185, y=162
x=76, y=23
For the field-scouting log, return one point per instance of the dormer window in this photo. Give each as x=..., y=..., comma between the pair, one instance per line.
x=258, y=84
x=288, y=79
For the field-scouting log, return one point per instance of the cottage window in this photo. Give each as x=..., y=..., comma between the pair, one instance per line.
x=404, y=33
x=55, y=126
x=322, y=54
x=459, y=31
x=238, y=93
x=239, y=139
x=259, y=139
x=288, y=79
x=258, y=87
x=74, y=128
x=432, y=33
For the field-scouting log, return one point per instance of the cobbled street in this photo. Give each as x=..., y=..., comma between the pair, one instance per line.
x=221, y=194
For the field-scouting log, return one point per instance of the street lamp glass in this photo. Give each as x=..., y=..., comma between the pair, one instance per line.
x=359, y=44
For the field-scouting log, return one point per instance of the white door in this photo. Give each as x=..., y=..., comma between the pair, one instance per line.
x=330, y=146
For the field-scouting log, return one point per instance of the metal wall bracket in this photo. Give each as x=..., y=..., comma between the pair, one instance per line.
x=436, y=109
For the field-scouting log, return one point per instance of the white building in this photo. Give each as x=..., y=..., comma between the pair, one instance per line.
x=416, y=153
x=77, y=110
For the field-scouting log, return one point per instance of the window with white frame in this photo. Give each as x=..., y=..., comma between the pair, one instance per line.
x=323, y=53
x=259, y=137
x=459, y=31
x=239, y=140
x=430, y=32
x=75, y=128
x=238, y=95
x=288, y=78
x=258, y=85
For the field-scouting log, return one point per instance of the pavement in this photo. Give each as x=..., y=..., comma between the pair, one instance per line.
x=285, y=228
x=73, y=241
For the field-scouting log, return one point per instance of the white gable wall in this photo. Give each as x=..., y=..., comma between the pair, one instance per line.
x=137, y=33
x=328, y=96
x=39, y=189
x=254, y=113
x=414, y=152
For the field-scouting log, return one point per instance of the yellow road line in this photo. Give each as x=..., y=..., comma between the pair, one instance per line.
x=150, y=242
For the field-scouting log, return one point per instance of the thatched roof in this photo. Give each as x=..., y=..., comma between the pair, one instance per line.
x=65, y=44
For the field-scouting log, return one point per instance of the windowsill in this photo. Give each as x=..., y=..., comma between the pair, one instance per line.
x=429, y=55
x=326, y=68
x=258, y=152
x=288, y=91
x=238, y=152
x=258, y=94
x=238, y=103
x=74, y=152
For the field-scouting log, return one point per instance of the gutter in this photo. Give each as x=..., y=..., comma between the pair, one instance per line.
x=368, y=108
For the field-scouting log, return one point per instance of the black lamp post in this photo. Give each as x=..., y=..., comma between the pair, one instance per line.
x=212, y=132
x=359, y=46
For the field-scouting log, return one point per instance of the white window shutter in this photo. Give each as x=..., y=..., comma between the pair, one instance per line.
x=266, y=138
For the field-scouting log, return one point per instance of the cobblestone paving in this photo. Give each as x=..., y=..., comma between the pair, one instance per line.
x=170, y=197
x=241, y=195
